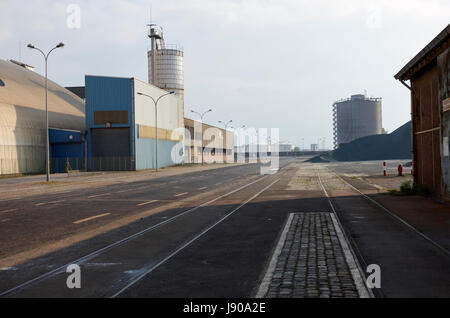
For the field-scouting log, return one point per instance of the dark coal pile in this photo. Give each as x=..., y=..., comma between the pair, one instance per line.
x=396, y=145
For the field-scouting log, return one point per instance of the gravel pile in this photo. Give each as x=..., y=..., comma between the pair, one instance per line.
x=396, y=145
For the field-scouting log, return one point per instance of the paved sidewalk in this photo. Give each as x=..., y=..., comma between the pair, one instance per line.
x=312, y=262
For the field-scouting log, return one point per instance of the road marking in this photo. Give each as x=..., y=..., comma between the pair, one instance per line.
x=352, y=261
x=264, y=287
x=51, y=202
x=121, y=191
x=181, y=194
x=203, y=188
x=6, y=211
x=91, y=218
x=97, y=195
x=148, y=202
x=182, y=247
x=85, y=258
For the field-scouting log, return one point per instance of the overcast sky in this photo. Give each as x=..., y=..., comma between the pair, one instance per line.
x=260, y=63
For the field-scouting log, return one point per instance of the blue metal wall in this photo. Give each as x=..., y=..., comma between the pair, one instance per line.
x=66, y=146
x=109, y=94
x=117, y=94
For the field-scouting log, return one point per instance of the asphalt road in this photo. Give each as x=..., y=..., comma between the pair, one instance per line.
x=203, y=234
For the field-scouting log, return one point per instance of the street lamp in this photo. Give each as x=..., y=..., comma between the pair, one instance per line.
x=201, y=118
x=47, y=145
x=225, y=124
x=155, y=102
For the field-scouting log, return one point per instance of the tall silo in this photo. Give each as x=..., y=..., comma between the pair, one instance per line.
x=356, y=117
x=165, y=63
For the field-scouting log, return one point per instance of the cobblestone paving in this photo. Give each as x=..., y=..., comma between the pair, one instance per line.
x=312, y=263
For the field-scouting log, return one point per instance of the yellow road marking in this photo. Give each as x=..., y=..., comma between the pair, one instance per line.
x=91, y=218
x=148, y=202
x=180, y=194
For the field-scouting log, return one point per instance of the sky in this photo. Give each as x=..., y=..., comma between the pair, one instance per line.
x=261, y=63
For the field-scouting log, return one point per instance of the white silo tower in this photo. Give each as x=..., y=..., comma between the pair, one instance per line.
x=165, y=63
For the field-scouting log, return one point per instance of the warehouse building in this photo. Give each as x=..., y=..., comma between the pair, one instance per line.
x=218, y=143
x=429, y=76
x=121, y=126
x=22, y=120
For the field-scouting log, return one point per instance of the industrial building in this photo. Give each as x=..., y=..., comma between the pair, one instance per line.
x=121, y=126
x=22, y=120
x=429, y=76
x=218, y=143
x=356, y=117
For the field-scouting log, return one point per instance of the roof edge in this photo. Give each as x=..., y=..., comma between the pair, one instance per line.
x=443, y=36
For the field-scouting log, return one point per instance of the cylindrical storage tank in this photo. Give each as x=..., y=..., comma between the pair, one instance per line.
x=357, y=117
x=169, y=74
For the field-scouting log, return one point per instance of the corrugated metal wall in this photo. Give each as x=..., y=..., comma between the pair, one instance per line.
x=110, y=123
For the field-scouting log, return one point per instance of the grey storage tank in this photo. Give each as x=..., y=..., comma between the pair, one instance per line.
x=356, y=117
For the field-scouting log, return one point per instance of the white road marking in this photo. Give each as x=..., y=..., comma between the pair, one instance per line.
x=182, y=247
x=93, y=254
x=264, y=287
x=51, y=202
x=97, y=195
x=148, y=202
x=181, y=194
x=91, y=218
x=203, y=188
x=6, y=211
x=121, y=191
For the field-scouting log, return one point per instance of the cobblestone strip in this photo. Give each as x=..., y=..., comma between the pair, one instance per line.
x=312, y=262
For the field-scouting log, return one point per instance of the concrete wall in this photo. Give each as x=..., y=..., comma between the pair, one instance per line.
x=170, y=127
x=218, y=143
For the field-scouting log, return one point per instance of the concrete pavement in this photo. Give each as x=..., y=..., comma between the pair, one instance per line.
x=212, y=234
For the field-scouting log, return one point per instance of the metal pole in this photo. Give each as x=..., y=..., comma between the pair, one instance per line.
x=153, y=57
x=47, y=144
x=156, y=126
x=202, y=138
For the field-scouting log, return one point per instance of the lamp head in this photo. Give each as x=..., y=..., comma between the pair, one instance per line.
x=60, y=44
x=31, y=46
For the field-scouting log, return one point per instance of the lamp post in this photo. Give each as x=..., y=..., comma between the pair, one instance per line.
x=155, y=102
x=47, y=145
x=225, y=124
x=201, y=118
